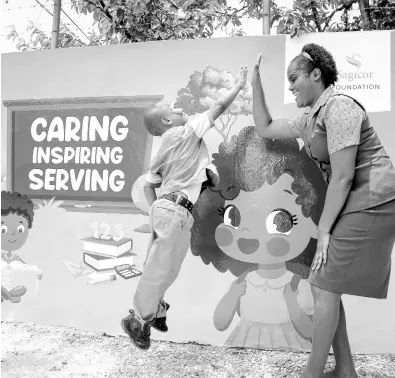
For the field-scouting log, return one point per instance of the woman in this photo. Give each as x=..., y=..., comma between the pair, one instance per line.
x=356, y=231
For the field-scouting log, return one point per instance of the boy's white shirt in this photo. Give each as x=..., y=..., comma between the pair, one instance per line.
x=192, y=192
x=185, y=137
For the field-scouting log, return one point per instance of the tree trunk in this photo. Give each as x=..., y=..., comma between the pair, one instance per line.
x=56, y=23
x=365, y=14
x=266, y=17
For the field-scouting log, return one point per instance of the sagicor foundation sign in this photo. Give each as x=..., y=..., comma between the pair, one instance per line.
x=363, y=62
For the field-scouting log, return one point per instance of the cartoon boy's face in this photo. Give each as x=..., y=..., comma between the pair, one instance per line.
x=14, y=232
x=265, y=226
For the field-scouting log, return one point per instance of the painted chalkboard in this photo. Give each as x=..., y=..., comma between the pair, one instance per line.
x=87, y=151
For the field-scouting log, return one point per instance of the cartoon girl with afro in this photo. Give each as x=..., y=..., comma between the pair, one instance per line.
x=260, y=224
x=16, y=220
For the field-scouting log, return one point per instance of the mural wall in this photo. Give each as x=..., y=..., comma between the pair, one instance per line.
x=72, y=140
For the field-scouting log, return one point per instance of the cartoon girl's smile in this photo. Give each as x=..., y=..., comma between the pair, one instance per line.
x=266, y=234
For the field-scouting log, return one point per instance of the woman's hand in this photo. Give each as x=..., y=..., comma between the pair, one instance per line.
x=322, y=250
x=256, y=77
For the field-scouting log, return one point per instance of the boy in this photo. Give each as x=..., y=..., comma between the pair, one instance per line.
x=180, y=168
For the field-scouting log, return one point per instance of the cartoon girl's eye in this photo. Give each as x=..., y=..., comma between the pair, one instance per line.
x=21, y=228
x=232, y=216
x=4, y=228
x=280, y=221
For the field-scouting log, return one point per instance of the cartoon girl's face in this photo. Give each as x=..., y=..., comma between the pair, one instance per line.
x=14, y=232
x=265, y=226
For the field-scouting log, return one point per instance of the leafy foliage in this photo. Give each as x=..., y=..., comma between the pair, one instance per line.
x=38, y=40
x=204, y=88
x=309, y=16
x=122, y=21
x=126, y=21
x=382, y=15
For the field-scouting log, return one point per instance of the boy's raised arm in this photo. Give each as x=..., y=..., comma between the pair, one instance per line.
x=223, y=103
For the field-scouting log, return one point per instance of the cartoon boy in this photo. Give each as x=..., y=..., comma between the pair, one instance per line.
x=179, y=168
x=16, y=219
x=269, y=200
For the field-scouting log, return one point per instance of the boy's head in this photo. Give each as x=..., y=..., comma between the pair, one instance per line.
x=17, y=212
x=162, y=117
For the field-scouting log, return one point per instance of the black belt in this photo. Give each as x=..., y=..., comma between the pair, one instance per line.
x=178, y=199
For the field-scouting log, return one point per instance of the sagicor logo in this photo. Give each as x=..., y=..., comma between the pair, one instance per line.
x=354, y=61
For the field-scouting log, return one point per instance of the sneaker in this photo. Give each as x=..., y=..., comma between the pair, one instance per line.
x=139, y=333
x=160, y=323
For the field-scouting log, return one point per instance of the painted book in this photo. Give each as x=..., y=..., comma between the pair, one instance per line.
x=109, y=247
x=100, y=262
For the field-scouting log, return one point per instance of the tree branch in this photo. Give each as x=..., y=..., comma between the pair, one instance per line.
x=345, y=5
x=105, y=13
x=222, y=13
x=316, y=17
x=172, y=4
x=220, y=132
x=230, y=127
x=366, y=20
x=109, y=17
x=233, y=121
x=346, y=20
x=227, y=121
x=223, y=125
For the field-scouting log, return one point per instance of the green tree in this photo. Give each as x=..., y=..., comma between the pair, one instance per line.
x=309, y=16
x=125, y=21
x=38, y=40
x=122, y=21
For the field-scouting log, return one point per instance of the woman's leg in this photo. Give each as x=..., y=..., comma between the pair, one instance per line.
x=341, y=348
x=325, y=321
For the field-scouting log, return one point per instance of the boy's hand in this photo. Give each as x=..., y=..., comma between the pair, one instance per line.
x=242, y=78
x=224, y=102
x=256, y=77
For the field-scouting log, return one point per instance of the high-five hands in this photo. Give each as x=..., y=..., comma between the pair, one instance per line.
x=256, y=77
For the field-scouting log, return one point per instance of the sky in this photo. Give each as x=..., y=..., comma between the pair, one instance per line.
x=19, y=12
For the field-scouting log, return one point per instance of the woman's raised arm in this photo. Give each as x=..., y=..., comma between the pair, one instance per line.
x=265, y=125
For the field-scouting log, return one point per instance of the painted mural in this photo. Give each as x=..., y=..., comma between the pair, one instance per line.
x=259, y=224
x=244, y=281
x=16, y=219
